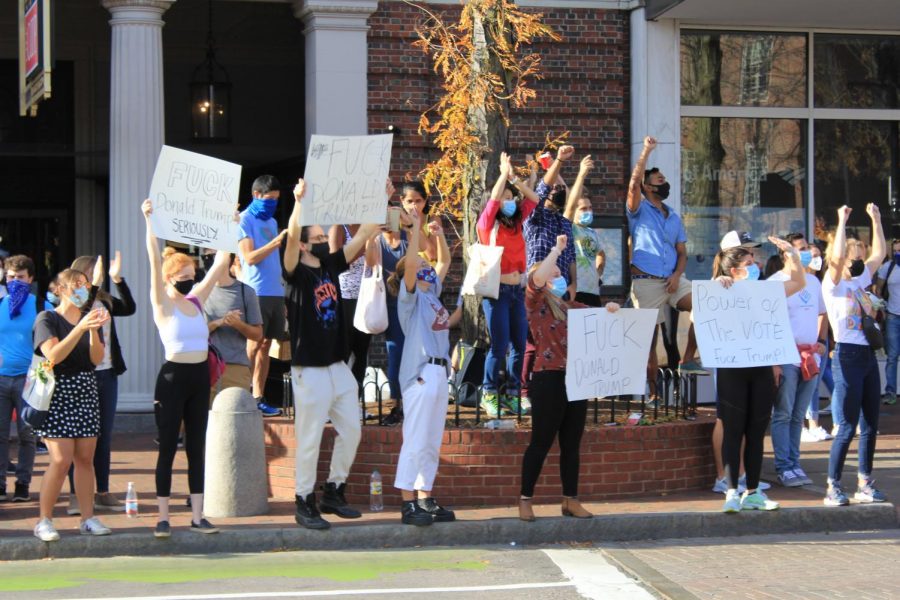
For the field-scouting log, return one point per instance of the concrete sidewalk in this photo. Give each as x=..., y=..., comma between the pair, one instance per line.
x=684, y=515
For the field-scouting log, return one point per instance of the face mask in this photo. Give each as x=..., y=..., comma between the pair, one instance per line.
x=263, y=208
x=586, y=219
x=897, y=258
x=558, y=198
x=508, y=208
x=805, y=257
x=52, y=298
x=857, y=267
x=662, y=190
x=183, y=287
x=558, y=286
x=752, y=272
x=79, y=297
x=815, y=263
x=428, y=275
x=320, y=250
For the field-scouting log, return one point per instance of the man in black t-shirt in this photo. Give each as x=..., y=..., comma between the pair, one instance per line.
x=323, y=385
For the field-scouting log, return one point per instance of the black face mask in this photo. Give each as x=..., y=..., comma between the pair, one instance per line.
x=183, y=287
x=662, y=190
x=857, y=267
x=320, y=250
x=558, y=198
x=207, y=260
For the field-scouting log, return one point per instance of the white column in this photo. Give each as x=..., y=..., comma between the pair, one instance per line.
x=336, y=65
x=136, y=134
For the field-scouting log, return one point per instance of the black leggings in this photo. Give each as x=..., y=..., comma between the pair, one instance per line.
x=746, y=398
x=182, y=394
x=358, y=340
x=552, y=414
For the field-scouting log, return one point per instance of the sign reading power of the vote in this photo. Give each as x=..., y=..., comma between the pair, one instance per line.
x=345, y=179
x=607, y=352
x=194, y=199
x=746, y=325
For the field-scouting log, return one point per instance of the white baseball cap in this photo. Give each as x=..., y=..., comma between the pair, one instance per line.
x=733, y=239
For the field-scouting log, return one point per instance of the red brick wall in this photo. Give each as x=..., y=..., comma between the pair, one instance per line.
x=584, y=90
x=481, y=467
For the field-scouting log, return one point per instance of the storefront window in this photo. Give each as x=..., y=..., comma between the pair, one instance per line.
x=743, y=69
x=741, y=174
x=857, y=71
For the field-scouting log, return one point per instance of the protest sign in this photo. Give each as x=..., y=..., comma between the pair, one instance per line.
x=607, y=352
x=345, y=179
x=746, y=325
x=194, y=199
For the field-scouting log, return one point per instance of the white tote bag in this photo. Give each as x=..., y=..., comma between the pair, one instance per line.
x=39, y=385
x=371, y=314
x=483, y=275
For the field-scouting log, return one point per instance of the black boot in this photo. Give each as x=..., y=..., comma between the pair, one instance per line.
x=334, y=503
x=413, y=514
x=440, y=514
x=307, y=514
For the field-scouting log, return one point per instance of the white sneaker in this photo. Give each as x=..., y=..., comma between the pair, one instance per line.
x=93, y=526
x=789, y=479
x=822, y=435
x=732, y=502
x=807, y=436
x=721, y=486
x=45, y=531
x=757, y=501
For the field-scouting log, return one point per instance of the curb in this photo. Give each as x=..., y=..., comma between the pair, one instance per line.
x=612, y=528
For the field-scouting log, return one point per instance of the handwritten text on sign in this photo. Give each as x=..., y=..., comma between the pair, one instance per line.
x=345, y=179
x=746, y=325
x=194, y=199
x=607, y=352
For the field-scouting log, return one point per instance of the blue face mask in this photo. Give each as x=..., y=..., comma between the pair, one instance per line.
x=52, y=298
x=508, y=207
x=897, y=258
x=752, y=272
x=79, y=297
x=558, y=286
x=586, y=219
x=805, y=257
x=428, y=275
x=263, y=208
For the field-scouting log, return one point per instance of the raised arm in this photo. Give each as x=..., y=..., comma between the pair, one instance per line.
x=412, y=253
x=252, y=255
x=546, y=268
x=355, y=248
x=442, y=266
x=292, y=249
x=577, y=189
x=218, y=268
x=563, y=154
x=637, y=175
x=798, y=275
x=157, y=285
x=879, y=247
x=505, y=175
x=838, y=255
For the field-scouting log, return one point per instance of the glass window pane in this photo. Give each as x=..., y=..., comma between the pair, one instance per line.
x=854, y=161
x=726, y=68
x=857, y=71
x=740, y=174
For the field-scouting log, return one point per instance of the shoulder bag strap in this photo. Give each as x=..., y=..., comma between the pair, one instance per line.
x=494, y=233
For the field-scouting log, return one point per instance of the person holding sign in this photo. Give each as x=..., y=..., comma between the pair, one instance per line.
x=324, y=387
x=857, y=384
x=259, y=241
x=553, y=414
x=500, y=223
x=746, y=394
x=423, y=374
x=182, y=386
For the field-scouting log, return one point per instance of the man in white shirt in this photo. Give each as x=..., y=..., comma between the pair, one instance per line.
x=888, y=288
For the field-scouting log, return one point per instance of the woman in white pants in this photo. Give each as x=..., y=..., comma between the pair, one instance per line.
x=423, y=374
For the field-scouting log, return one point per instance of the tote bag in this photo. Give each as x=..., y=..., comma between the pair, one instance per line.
x=483, y=275
x=39, y=385
x=371, y=314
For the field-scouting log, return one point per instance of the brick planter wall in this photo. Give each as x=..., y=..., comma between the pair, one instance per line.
x=480, y=467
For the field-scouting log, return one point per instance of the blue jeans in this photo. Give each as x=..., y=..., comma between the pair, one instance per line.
x=791, y=402
x=108, y=387
x=892, y=348
x=393, y=341
x=506, y=320
x=857, y=387
x=11, y=398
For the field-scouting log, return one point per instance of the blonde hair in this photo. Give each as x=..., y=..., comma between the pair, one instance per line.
x=85, y=264
x=174, y=261
x=66, y=277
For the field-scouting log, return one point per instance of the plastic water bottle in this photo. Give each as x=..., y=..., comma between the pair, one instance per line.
x=131, y=501
x=500, y=424
x=376, y=501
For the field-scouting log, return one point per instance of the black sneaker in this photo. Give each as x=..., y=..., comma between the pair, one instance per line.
x=334, y=503
x=413, y=514
x=438, y=512
x=21, y=494
x=10, y=468
x=3, y=496
x=162, y=530
x=204, y=526
x=307, y=514
x=395, y=417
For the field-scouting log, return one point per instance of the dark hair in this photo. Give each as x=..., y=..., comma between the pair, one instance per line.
x=265, y=184
x=649, y=172
x=728, y=259
x=512, y=221
x=773, y=265
x=304, y=233
x=793, y=236
x=19, y=262
x=558, y=196
x=419, y=187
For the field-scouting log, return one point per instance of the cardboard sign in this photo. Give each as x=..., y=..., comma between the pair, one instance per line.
x=607, y=352
x=746, y=325
x=345, y=180
x=194, y=199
